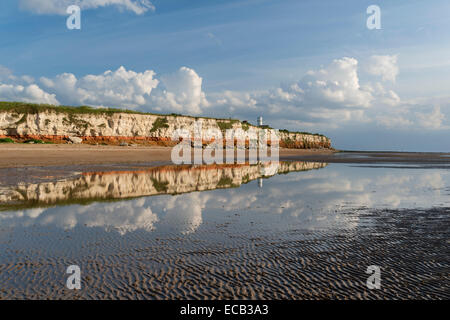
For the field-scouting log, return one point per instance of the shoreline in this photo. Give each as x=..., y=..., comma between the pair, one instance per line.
x=46, y=155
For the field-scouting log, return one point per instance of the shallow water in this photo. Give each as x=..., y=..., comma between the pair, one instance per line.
x=289, y=230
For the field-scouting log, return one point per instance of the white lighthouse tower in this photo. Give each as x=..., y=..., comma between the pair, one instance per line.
x=260, y=122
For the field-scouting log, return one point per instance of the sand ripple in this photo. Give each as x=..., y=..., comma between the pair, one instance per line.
x=410, y=246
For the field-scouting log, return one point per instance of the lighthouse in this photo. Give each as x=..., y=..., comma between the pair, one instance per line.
x=260, y=122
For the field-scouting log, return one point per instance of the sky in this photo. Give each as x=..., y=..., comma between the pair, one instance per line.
x=302, y=65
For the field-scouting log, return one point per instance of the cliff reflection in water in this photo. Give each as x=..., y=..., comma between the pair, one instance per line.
x=97, y=186
x=99, y=194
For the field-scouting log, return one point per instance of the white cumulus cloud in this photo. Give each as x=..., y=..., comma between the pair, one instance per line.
x=30, y=93
x=337, y=84
x=384, y=66
x=112, y=88
x=60, y=6
x=182, y=92
x=432, y=120
x=328, y=95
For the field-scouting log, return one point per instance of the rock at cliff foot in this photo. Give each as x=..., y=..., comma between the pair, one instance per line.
x=75, y=140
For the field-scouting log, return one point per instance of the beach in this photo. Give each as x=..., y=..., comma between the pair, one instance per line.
x=140, y=227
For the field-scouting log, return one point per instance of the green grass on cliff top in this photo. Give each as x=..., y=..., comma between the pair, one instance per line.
x=33, y=108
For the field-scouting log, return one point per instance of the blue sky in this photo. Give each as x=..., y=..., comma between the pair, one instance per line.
x=366, y=89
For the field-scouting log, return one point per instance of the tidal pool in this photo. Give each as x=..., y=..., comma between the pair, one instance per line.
x=288, y=230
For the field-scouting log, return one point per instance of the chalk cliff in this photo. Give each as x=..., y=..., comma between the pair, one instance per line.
x=56, y=124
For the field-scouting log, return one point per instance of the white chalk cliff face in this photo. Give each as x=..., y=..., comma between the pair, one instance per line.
x=56, y=125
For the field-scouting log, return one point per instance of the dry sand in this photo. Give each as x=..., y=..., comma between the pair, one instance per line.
x=14, y=156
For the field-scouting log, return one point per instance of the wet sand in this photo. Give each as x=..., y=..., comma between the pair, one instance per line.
x=371, y=157
x=299, y=264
